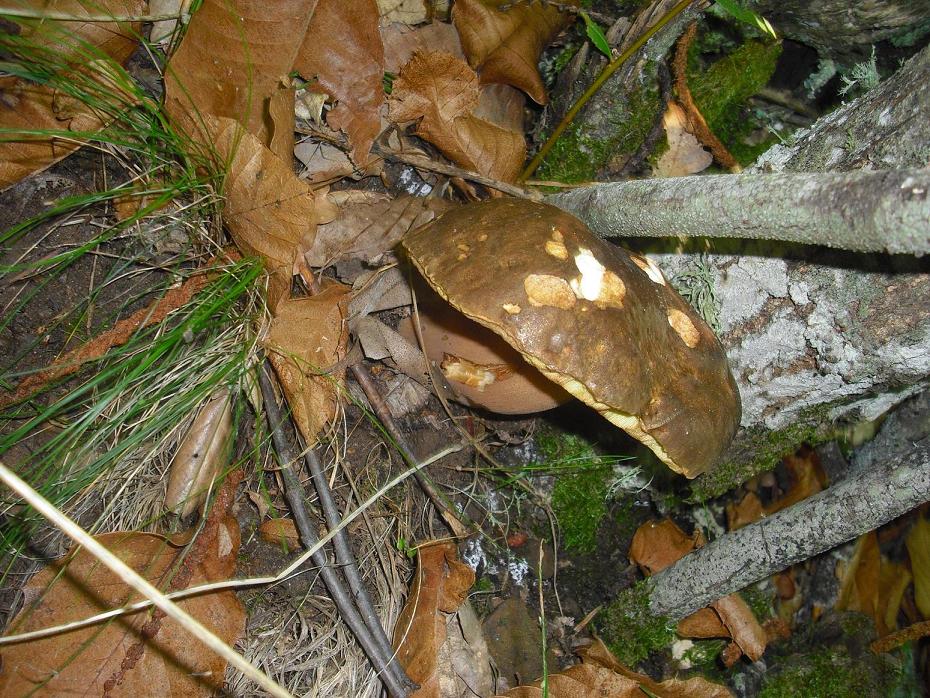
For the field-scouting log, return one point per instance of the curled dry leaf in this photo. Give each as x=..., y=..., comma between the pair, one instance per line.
x=200, y=456
x=233, y=62
x=369, y=224
x=406, y=11
x=441, y=93
x=893, y=581
x=742, y=624
x=29, y=107
x=322, y=162
x=307, y=339
x=748, y=509
x=656, y=545
x=685, y=154
x=280, y=532
x=808, y=478
x=701, y=624
x=170, y=663
x=440, y=586
x=504, y=45
x=343, y=54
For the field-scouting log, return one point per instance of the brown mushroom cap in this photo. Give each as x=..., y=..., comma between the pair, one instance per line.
x=598, y=320
x=480, y=368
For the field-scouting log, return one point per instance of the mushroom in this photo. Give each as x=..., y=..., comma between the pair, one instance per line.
x=480, y=368
x=599, y=321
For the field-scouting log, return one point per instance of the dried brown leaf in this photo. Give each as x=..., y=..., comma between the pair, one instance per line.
x=406, y=11
x=702, y=623
x=859, y=586
x=441, y=93
x=369, y=224
x=742, y=624
x=401, y=42
x=808, y=479
x=892, y=582
x=656, y=545
x=203, y=451
x=440, y=586
x=280, y=532
x=918, y=548
x=504, y=46
x=343, y=53
x=172, y=663
x=748, y=510
x=307, y=338
x=685, y=154
x=234, y=62
x=322, y=162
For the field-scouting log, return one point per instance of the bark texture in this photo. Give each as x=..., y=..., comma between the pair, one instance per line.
x=862, y=211
x=845, y=30
x=862, y=502
x=817, y=336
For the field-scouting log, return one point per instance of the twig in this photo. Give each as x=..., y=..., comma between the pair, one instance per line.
x=378, y=653
x=346, y=560
x=699, y=127
x=611, y=68
x=452, y=519
x=896, y=639
x=137, y=582
x=71, y=17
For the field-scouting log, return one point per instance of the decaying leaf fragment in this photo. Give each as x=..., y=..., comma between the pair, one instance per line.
x=200, y=456
x=504, y=45
x=685, y=154
x=307, y=339
x=342, y=54
x=440, y=586
x=369, y=224
x=441, y=93
x=280, y=532
x=149, y=655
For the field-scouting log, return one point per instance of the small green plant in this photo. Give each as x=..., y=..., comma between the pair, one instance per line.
x=596, y=34
x=405, y=548
x=738, y=12
x=698, y=286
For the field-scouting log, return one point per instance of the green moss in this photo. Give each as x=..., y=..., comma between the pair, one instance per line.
x=759, y=602
x=768, y=448
x=579, y=497
x=722, y=90
x=578, y=154
x=828, y=672
x=630, y=630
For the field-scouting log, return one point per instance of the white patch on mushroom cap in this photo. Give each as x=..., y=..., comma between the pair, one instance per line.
x=684, y=328
x=588, y=285
x=649, y=267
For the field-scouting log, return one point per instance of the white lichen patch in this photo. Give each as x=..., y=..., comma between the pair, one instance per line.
x=547, y=290
x=649, y=268
x=684, y=328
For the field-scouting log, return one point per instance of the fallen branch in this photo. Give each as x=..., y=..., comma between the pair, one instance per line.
x=856, y=505
x=860, y=211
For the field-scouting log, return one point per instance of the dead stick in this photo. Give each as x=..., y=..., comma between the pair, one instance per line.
x=856, y=505
x=380, y=657
x=346, y=560
x=896, y=639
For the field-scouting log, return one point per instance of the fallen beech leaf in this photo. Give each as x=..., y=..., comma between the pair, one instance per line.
x=269, y=212
x=918, y=548
x=401, y=42
x=656, y=545
x=307, y=337
x=746, y=512
x=685, y=155
x=26, y=107
x=342, y=51
x=163, y=29
x=406, y=11
x=742, y=624
x=440, y=586
x=200, y=456
x=172, y=663
x=504, y=46
x=369, y=224
x=280, y=531
x=702, y=623
x=441, y=93
x=233, y=62
x=859, y=585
